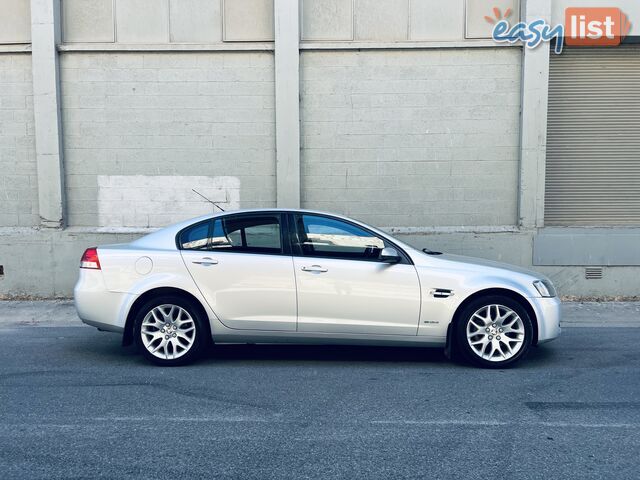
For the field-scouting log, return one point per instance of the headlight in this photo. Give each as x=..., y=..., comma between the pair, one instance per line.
x=545, y=288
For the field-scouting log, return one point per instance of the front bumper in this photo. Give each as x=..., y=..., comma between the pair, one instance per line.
x=548, y=312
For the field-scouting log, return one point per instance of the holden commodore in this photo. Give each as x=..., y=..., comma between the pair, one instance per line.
x=298, y=276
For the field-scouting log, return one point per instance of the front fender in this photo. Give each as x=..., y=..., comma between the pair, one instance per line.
x=437, y=311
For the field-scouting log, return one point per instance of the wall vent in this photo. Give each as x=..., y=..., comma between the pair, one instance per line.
x=593, y=273
x=1, y=270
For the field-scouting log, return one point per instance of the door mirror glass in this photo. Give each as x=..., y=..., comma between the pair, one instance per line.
x=389, y=255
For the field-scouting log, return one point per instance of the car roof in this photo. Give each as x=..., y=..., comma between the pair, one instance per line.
x=264, y=210
x=165, y=237
x=279, y=209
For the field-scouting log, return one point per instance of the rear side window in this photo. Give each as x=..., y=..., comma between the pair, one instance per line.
x=238, y=233
x=248, y=234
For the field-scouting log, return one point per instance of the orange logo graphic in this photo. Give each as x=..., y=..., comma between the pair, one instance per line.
x=498, y=15
x=595, y=26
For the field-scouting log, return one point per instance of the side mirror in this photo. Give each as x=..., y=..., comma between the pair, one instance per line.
x=389, y=255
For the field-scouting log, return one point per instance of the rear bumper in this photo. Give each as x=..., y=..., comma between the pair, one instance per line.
x=97, y=306
x=548, y=311
x=105, y=327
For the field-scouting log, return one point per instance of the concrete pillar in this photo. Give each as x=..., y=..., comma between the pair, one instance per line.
x=287, y=79
x=45, y=35
x=533, y=128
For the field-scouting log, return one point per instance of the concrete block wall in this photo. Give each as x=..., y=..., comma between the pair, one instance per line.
x=18, y=177
x=158, y=114
x=15, y=21
x=167, y=21
x=154, y=201
x=217, y=21
x=412, y=137
x=400, y=20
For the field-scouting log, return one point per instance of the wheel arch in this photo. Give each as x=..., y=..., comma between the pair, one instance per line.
x=127, y=338
x=493, y=291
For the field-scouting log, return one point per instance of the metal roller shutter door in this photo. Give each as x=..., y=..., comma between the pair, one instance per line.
x=593, y=142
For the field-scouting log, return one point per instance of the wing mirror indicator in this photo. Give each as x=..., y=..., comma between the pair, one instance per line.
x=389, y=255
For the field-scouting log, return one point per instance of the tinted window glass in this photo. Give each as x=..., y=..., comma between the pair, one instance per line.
x=218, y=239
x=326, y=237
x=195, y=237
x=251, y=234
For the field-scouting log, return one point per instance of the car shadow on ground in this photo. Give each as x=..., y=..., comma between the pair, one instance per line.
x=282, y=354
x=349, y=353
x=324, y=353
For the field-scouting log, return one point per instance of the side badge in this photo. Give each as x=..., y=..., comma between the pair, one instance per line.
x=441, y=293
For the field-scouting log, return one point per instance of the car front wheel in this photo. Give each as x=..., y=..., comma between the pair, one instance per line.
x=170, y=331
x=494, y=332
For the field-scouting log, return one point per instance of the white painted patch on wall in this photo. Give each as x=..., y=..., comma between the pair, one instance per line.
x=147, y=201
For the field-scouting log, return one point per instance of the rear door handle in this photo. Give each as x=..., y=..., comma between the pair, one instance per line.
x=206, y=262
x=315, y=269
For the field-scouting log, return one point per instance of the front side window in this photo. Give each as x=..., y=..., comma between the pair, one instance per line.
x=332, y=238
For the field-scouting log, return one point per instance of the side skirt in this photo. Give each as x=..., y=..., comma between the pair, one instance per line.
x=330, y=339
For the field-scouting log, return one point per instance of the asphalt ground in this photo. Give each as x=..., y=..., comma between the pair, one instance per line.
x=75, y=404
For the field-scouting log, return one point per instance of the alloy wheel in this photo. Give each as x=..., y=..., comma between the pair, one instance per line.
x=495, y=333
x=168, y=332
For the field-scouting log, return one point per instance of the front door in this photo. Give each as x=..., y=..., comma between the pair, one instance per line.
x=342, y=285
x=239, y=264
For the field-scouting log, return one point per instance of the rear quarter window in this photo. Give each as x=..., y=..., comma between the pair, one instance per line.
x=195, y=237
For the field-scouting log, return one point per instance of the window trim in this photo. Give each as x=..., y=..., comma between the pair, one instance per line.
x=297, y=251
x=283, y=224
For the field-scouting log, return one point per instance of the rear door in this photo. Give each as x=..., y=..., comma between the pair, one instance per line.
x=242, y=265
x=342, y=285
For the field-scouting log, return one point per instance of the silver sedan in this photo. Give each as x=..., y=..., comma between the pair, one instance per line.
x=297, y=276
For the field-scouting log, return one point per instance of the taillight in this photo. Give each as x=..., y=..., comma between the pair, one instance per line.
x=90, y=259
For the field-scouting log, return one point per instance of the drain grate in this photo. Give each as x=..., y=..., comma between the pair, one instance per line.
x=593, y=273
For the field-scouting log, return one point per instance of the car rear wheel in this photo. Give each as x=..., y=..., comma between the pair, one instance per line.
x=494, y=332
x=170, y=331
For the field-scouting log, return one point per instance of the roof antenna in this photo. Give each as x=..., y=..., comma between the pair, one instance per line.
x=212, y=203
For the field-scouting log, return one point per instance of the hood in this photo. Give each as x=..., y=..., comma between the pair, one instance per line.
x=481, y=262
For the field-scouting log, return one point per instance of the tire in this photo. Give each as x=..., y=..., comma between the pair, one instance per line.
x=494, y=332
x=170, y=331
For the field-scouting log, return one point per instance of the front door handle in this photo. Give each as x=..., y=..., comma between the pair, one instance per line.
x=315, y=269
x=206, y=262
